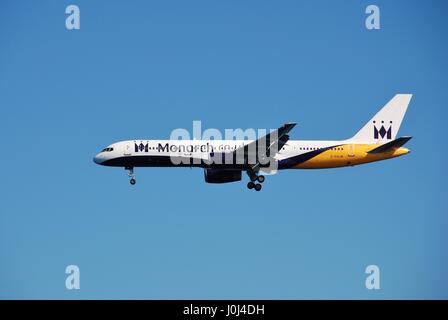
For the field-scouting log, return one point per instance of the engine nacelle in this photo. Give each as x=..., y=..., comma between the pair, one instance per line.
x=221, y=176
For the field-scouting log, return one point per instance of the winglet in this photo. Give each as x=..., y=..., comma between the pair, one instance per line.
x=287, y=127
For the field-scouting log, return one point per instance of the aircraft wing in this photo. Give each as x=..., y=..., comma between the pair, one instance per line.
x=265, y=147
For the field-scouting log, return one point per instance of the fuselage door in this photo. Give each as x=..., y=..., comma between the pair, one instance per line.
x=351, y=150
x=127, y=149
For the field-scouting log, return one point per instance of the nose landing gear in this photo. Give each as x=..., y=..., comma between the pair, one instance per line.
x=131, y=175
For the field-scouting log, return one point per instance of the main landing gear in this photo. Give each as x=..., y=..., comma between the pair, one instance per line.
x=131, y=175
x=253, y=178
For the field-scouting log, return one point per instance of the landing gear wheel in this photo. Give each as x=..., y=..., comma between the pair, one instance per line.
x=132, y=181
x=254, y=178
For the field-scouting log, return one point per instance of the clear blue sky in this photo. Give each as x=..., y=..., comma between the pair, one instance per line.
x=143, y=68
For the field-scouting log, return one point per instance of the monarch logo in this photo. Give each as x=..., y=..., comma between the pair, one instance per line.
x=382, y=132
x=140, y=147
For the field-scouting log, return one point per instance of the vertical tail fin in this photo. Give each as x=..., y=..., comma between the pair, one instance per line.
x=384, y=125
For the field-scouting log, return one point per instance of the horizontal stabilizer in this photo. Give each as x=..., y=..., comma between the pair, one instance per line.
x=394, y=144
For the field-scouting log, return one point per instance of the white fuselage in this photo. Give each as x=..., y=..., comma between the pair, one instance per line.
x=145, y=153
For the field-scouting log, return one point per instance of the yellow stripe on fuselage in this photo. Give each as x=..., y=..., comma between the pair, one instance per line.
x=349, y=155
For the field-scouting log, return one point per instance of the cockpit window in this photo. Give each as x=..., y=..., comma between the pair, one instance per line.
x=107, y=150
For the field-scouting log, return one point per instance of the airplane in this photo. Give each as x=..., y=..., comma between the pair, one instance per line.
x=375, y=141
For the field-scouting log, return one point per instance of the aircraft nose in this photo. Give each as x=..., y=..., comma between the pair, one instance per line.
x=97, y=159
